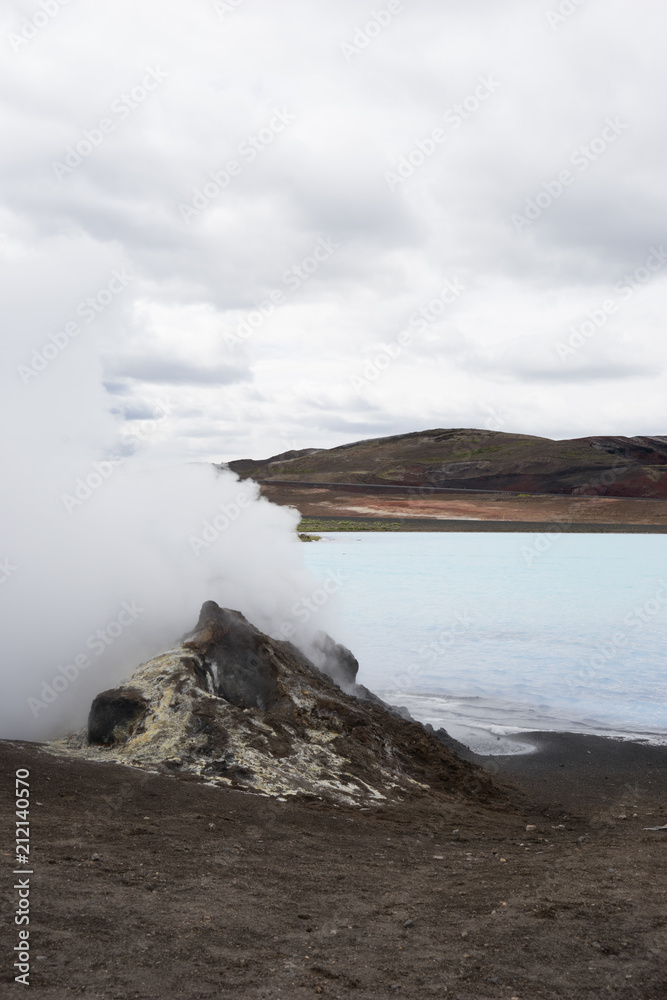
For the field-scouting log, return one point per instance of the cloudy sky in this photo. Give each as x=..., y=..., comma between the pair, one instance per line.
x=301, y=224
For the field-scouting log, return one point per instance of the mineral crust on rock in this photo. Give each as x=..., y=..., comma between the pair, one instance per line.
x=238, y=708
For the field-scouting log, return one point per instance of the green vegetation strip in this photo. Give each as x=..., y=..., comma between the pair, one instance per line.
x=435, y=524
x=314, y=524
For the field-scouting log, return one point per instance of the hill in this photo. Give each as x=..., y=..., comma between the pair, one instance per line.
x=469, y=459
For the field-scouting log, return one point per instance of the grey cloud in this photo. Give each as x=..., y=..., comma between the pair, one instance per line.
x=177, y=372
x=142, y=412
x=325, y=174
x=562, y=374
x=351, y=429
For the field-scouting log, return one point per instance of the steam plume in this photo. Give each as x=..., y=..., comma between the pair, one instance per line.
x=108, y=555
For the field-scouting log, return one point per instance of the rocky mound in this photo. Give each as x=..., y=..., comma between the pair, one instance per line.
x=238, y=708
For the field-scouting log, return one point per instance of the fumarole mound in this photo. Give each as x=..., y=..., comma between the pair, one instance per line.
x=237, y=708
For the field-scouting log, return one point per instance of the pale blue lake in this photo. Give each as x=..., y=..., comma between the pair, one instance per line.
x=489, y=634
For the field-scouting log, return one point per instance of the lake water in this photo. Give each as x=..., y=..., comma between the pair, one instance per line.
x=495, y=634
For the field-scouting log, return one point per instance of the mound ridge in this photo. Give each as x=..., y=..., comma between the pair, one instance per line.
x=235, y=707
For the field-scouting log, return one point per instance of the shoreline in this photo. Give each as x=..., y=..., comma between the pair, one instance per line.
x=581, y=772
x=431, y=524
x=393, y=509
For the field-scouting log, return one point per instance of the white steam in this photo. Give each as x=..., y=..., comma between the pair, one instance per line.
x=106, y=556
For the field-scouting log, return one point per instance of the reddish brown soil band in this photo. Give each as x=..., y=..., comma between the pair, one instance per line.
x=198, y=892
x=456, y=508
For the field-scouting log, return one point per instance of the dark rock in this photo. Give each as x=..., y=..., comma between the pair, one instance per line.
x=249, y=678
x=363, y=694
x=458, y=748
x=115, y=715
x=335, y=660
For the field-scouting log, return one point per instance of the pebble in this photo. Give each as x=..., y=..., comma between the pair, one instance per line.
x=530, y=827
x=409, y=923
x=95, y=857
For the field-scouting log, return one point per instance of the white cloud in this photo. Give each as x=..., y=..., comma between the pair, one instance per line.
x=323, y=177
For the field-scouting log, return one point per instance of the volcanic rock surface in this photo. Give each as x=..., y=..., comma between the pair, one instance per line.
x=236, y=707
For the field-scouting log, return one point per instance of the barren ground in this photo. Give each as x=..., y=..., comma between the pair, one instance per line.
x=149, y=886
x=524, y=512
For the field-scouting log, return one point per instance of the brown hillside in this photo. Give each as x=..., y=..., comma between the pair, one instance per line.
x=481, y=460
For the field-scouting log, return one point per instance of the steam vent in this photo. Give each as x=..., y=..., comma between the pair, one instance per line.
x=238, y=708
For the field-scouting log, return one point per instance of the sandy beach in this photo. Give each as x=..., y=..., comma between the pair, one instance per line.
x=150, y=886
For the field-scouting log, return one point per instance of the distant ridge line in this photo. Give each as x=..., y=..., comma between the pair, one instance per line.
x=429, y=490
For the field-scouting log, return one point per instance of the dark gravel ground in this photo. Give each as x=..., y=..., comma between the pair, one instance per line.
x=149, y=886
